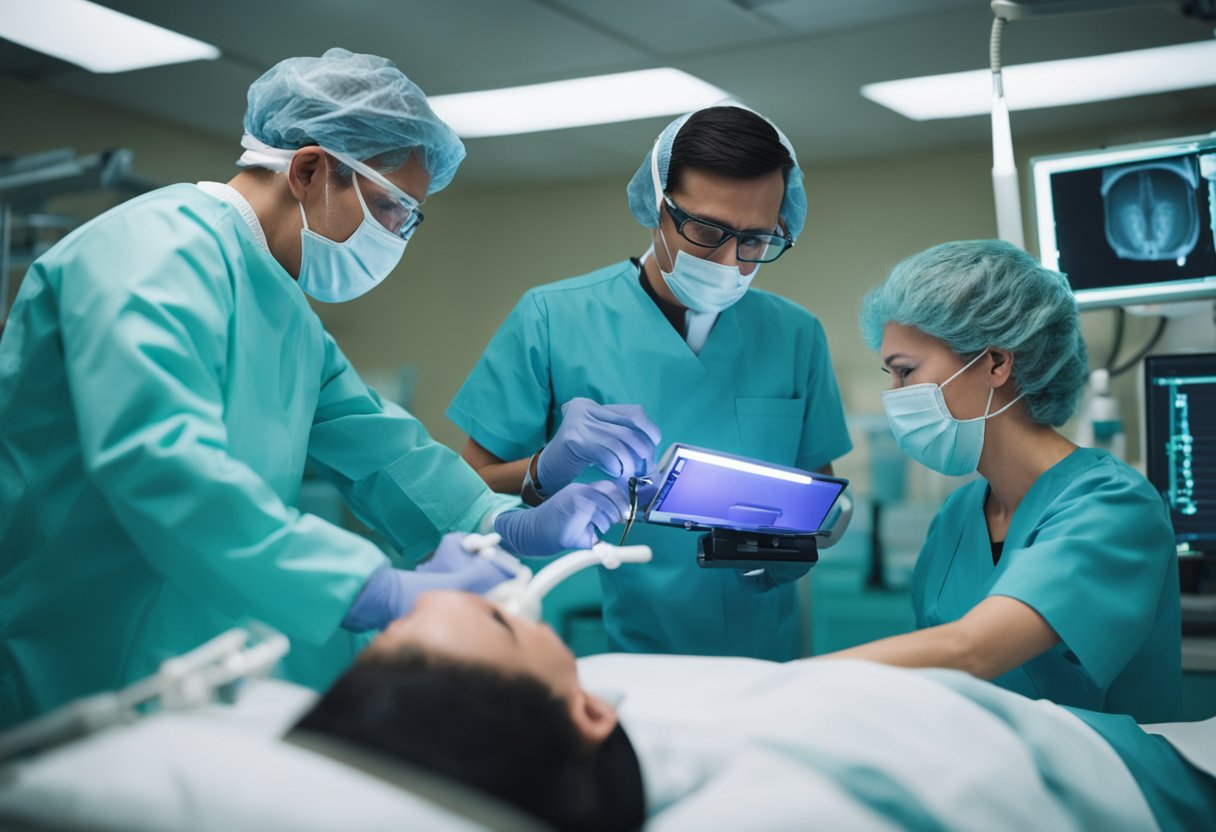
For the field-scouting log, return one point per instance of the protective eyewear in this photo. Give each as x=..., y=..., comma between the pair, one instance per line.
x=750, y=246
x=392, y=207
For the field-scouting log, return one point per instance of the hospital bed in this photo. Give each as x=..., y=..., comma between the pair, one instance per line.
x=228, y=767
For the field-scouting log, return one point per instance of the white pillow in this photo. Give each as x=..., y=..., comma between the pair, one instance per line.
x=218, y=769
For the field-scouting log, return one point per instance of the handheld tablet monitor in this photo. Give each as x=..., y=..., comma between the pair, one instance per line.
x=703, y=489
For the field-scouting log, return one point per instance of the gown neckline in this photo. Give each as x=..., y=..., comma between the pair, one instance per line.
x=670, y=340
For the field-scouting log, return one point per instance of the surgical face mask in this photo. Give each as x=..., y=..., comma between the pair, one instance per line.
x=334, y=272
x=928, y=433
x=702, y=285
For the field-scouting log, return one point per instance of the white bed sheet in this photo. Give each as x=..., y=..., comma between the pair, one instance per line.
x=738, y=743
x=868, y=748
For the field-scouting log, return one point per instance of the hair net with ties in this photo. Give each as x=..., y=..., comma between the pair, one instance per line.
x=360, y=105
x=644, y=195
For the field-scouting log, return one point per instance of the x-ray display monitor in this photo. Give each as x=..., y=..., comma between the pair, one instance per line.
x=1180, y=439
x=1133, y=224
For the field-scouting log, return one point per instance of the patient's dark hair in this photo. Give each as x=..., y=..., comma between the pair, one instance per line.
x=729, y=141
x=506, y=735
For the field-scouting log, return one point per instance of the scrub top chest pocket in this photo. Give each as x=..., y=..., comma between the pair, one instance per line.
x=770, y=429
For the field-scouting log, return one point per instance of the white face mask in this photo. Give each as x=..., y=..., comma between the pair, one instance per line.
x=927, y=431
x=703, y=285
x=334, y=272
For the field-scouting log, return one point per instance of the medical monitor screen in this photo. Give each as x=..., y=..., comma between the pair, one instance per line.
x=1132, y=224
x=1180, y=444
x=699, y=488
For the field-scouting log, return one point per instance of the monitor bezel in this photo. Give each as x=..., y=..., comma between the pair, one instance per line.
x=1044, y=167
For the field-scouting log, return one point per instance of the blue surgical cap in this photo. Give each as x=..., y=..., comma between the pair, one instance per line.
x=975, y=295
x=360, y=105
x=644, y=203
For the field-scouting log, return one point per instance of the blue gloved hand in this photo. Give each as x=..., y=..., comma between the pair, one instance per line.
x=771, y=577
x=573, y=518
x=391, y=593
x=619, y=439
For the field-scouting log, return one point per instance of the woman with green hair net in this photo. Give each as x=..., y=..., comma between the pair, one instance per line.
x=163, y=382
x=1055, y=574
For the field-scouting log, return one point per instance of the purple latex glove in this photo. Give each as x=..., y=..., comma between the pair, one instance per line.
x=619, y=439
x=391, y=593
x=573, y=518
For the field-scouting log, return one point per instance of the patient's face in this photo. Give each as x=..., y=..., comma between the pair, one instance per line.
x=470, y=628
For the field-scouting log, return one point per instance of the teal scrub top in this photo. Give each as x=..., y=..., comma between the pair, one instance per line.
x=162, y=383
x=1091, y=549
x=762, y=386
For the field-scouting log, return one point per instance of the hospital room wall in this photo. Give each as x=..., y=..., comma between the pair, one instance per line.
x=482, y=247
x=37, y=118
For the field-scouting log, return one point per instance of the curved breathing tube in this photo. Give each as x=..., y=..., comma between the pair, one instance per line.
x=522, y=594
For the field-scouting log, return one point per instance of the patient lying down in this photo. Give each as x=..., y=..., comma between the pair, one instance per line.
x=465, y=690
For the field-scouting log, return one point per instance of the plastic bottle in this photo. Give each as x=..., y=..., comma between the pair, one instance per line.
x=1103, y=417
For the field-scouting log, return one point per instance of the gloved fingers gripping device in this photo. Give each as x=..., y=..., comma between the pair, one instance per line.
x=522, y=594
x=212, y=672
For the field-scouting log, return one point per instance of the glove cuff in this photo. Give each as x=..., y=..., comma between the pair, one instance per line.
x=531, y=493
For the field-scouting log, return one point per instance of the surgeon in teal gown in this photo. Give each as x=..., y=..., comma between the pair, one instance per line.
x=688, y=352
x=1055, y=575
x=163, y=382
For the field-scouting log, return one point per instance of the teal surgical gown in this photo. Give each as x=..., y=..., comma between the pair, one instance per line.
x=1091, y=550
x=762, y=386
x=162, y=383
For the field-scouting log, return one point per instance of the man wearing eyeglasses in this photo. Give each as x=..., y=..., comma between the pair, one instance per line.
x=589, y=378
x=163, y=382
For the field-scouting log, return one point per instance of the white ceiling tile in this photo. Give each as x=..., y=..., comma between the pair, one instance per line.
x=806, y=81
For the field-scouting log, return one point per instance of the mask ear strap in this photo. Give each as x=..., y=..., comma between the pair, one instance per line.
x=675, y=126
x=654, y=178
x=1006, y=407
x=354, y=181
x=964, y=368
x=666, y=248
x=992, y=392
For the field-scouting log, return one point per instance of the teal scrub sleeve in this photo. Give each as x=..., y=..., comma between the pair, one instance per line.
x=1094, y=570
x=393, y=475
x=825, y=436
x=505, y=403
x=145, y=315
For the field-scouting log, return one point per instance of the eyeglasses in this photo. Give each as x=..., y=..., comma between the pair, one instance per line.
x=750, y=246
x=633, y=504
x=392, y=207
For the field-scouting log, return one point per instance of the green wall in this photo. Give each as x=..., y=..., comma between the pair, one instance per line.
x=481, y=248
